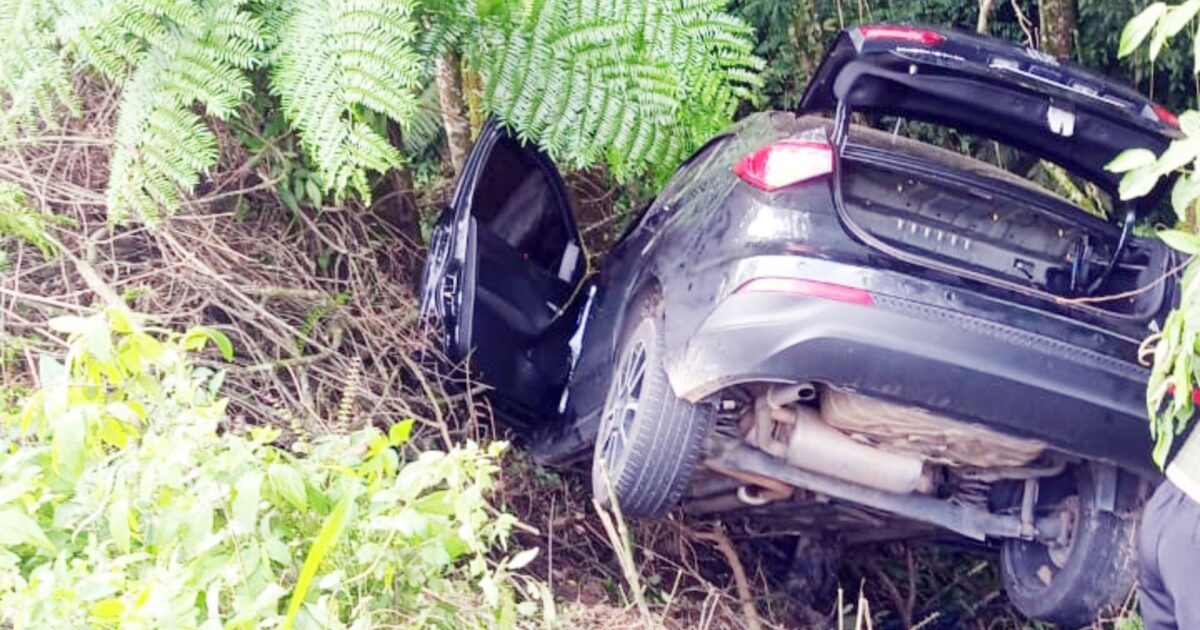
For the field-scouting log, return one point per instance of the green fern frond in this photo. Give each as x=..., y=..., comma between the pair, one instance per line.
x=425, y=127
x=19, y=221
x=190, y=53
x=639, y=82
x=336, y=61
x=34, y=79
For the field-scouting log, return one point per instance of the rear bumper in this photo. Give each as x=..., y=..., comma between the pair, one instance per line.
x=1077, y=400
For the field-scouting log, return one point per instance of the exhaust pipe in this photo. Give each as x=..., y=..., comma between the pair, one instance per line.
x=818, y=447
x=799, y=435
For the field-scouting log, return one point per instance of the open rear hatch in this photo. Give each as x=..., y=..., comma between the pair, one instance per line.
x=938, y=209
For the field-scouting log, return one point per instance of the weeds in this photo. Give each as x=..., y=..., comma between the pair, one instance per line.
x=127, y=502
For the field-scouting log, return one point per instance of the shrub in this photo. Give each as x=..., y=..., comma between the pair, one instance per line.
x=125, y=502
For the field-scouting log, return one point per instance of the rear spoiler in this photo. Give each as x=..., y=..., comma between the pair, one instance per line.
x=1018, y=96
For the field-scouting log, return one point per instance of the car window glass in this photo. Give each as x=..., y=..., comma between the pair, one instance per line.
x=515, y=199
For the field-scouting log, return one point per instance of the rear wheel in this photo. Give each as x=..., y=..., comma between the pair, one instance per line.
x=649, y=440
x=1091, y=570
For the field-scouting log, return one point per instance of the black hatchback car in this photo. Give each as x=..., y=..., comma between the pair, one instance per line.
x=825, y=325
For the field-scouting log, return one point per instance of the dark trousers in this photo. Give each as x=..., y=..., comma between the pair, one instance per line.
x=1169, y=561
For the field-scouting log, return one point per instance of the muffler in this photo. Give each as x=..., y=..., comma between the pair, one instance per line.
x=799, y=435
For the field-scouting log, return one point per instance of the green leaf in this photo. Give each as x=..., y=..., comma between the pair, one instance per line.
x=118, y=523
x=1178, y=17
x=399, y=433
x=1138, y=28
x=247, y=493
x=523, y=558
x=1196, y=55
x=288, y=483
x=289, y=200
x=1185, y=191
x=198, y=336
x=69, y=324
x=327, y=539
x=314, y=192
x=1177, y=155
x=67, y=448
x=1189, y=123
x=1130, y=159
x=1185, y=242
x=19, y=529
x=108, y=611
x=1138, y=182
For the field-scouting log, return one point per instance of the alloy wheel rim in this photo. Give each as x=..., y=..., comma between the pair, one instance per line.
x=435, y=269
x=621, y=411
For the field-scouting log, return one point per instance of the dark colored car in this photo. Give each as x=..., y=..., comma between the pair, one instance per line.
x=827, y=326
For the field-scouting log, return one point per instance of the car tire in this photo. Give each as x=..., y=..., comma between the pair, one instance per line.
x=1093, y=573
x=649, y=440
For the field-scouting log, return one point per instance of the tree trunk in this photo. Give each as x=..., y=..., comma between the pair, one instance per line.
x=473, y=92
x=985, y=12
x=398, y=202
x=454, y=117
x=1058, y=27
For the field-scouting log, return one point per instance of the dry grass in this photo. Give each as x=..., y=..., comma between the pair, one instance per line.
x=320, y=305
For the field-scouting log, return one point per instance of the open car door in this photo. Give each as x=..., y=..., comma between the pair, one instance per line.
x=505, y=263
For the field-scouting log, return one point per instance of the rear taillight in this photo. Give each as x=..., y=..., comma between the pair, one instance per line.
x=785, y=163
x=902, y=33
x=810, y=288
x=1167, y=116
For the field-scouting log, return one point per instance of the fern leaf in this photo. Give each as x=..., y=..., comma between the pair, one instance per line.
x=338, y=60
x=640, y=82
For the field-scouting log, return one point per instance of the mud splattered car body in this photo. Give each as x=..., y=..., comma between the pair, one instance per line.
x=854, y=331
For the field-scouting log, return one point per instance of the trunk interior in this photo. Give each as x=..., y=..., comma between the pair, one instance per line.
x=963, y=215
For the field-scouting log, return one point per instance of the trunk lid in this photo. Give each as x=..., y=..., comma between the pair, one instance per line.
x=1019, y=96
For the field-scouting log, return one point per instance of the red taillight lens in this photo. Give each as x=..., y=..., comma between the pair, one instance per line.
x=1166, y=115
x=902, y=33
x=810, y=288
x=785, y=163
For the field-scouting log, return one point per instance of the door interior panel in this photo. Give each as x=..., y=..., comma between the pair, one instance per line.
x=526, y=262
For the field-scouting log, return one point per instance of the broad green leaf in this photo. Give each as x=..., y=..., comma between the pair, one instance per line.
x=197, y=337
x=1178, y=17
x=118, y=320
x=399, y=433
x=1137, y=29
x=1130, y=159
x=327, y=539
x=247, y=493
x=107, y=611
x=51, y=373
x=69, y=324
x=313, y=190
x=19, y=529
x=147, y=346
x=1138, y=182
x=288, y=199
x=1196, y=55
x=1185, y=242
x=67, y=447
x=288, y=483
x=1189, y=123
x=1185, y=191
x=1179, y=154
x=118, y=523
x=523, y=558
